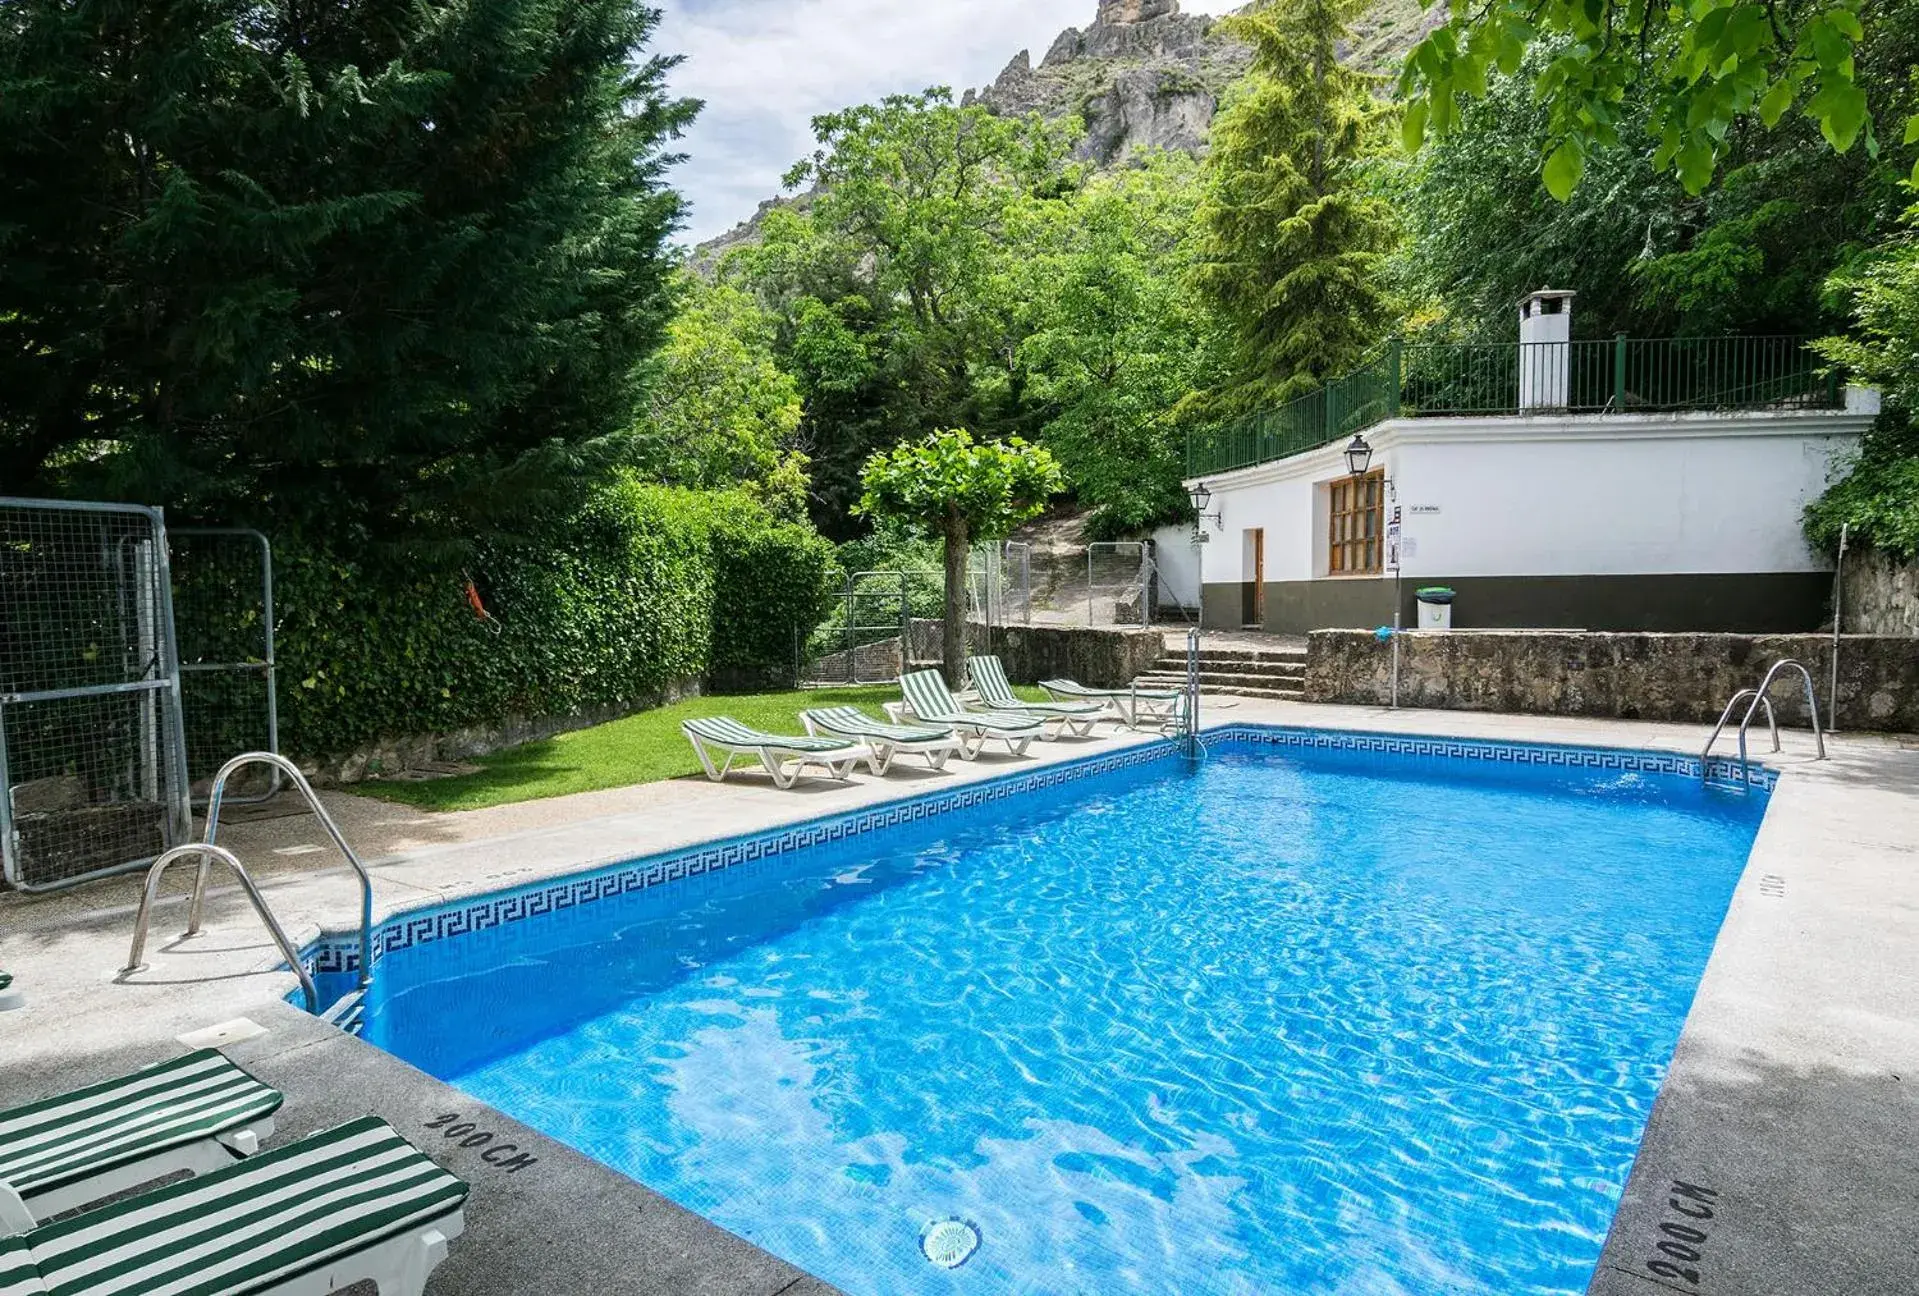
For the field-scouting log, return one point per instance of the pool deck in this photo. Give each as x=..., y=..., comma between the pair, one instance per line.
x=1779, y=1160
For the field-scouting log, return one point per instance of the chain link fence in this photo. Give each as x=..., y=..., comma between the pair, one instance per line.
x=92, y=747
x=1119, y=587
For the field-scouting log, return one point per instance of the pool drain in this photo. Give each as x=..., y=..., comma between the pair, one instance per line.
x=949, y=1243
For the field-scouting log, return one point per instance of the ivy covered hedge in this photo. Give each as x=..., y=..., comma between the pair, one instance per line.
x=644, y=587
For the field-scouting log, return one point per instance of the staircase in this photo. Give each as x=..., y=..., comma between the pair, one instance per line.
x=1277, y=673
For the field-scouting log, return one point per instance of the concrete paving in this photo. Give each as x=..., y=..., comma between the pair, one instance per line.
x=1788, y=1114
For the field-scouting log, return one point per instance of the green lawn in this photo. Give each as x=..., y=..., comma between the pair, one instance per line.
x=642, y=748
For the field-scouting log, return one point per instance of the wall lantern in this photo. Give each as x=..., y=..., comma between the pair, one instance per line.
x=1201, y=497
x=1359, y=456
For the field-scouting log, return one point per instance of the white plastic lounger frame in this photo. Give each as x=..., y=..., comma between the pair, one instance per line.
x=989, y=678
x=194, y=1113
x=350, y=1204
x=924, y=696
x=886, y=741
x=785, y=758
x=1131, y=705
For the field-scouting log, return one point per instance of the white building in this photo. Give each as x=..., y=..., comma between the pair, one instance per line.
x=1557, y=510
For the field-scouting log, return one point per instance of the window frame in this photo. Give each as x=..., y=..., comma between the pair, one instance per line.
x=1358, y=506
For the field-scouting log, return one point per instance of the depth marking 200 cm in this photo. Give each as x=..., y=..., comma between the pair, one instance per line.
x=503, y=1156
x=1681, y=1240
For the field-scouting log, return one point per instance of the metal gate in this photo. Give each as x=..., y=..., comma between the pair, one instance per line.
x=1119, y=590
x=223, y=605
x=92, y=744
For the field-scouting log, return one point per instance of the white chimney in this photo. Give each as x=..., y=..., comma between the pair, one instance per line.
x=1545, y=330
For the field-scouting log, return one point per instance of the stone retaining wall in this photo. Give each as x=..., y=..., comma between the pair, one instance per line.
x=1881, y=595
x=392, y=755
x=1682, y=677
x=1096, y=658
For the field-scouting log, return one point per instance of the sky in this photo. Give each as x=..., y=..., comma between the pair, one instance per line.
x=766, y=67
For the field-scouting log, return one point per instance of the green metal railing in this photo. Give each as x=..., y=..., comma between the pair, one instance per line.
x=1618, y=376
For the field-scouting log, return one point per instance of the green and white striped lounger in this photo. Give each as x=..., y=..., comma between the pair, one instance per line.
x=1131, y=704
x=927, y=698
x=989, y=680
x=785, y=757
x=353, y=1203
x=886, y=741
x=193, y=1113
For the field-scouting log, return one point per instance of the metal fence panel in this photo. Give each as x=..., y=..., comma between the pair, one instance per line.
x=1118, y=588
x=92, y=747
x=223, y=600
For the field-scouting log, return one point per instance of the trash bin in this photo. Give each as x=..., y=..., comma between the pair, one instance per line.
x=1435, y=608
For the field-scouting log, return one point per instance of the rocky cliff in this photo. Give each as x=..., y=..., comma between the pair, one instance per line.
x=1144, y=74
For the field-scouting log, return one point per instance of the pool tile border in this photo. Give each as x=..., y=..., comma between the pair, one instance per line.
x=337, y=953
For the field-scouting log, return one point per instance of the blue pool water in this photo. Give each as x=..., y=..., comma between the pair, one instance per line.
x=1289, y=1023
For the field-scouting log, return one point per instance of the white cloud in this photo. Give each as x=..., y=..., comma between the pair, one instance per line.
x=767, y=67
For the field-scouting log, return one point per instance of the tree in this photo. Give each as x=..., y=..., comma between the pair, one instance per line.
x=884, y=276
x=1293, y=235
x=958, y=491
x=719, y=409
x=1750, y=255
x=373, y=270
x=1706, y=66
x=1114, y=336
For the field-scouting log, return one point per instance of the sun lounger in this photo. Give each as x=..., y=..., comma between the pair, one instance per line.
x=193, y=1113
x=886, y=741
x=925, y=697
x=1131, y=705
x=10, y=996
x=989, y=681
x=785, y=758
x=354, y=1203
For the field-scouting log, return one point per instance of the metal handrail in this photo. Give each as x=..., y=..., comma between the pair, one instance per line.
x=207, y=852
x=1761, y=696
x=217, y=793
x=1744, y=695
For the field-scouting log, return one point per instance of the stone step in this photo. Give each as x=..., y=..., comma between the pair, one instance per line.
x=1274, y=695
x=1241, y=654
x=1230, y=666
x=1211, y=680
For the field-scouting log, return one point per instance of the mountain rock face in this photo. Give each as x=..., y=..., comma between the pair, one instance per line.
x=1143, y=75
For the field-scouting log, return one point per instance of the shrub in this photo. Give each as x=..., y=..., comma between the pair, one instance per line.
x=643, y=587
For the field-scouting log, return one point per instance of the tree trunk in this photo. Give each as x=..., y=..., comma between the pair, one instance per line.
x=953, y=629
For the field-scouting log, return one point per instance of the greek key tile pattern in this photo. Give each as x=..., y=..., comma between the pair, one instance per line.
x=340, y=953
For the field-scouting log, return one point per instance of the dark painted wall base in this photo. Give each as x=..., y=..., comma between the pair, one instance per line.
x=1738, y=602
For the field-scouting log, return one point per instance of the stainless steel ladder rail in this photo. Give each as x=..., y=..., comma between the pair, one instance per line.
x=214, y=798
x=207, y=852
x=1760, y=695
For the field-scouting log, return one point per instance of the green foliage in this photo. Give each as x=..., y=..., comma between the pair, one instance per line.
x=369, y=270
x=959, y=490
x=1879, y=499
x=1115, y=337
x=1700, y=70
x=1293, y=235
x=1749, y=256
x=949, y=481
x=885, y=280
x=719, y=409
x=640, y=588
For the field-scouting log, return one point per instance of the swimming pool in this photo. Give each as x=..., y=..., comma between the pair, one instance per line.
x=1326, y=1013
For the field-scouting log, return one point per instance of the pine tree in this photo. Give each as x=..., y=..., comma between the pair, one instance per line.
x=383, y=269
x=1293, y=238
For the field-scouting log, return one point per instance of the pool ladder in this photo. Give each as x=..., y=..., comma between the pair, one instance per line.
x=1754, y=699
x=207, y=850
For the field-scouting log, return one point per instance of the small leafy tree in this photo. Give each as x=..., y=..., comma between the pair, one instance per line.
x=956, y=490
x=1293, y=235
